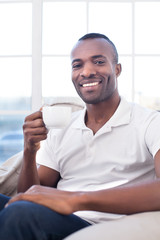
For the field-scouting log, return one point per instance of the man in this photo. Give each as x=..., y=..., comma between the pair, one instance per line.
x=99, y=167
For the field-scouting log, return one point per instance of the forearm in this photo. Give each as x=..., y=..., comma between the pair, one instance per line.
x=122, y=200
x=34, y=132
x=29, y=174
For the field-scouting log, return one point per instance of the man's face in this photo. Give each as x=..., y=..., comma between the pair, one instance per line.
x=94, y=73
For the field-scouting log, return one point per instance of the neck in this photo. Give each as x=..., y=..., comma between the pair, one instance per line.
x=98, y=114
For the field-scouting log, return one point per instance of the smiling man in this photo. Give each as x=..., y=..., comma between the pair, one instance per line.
x=105, y=164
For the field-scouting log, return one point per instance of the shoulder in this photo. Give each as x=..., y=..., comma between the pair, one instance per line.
x=143, y=115
x=139, y=116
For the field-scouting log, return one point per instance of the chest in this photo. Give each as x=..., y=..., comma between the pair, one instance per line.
x=113, y=149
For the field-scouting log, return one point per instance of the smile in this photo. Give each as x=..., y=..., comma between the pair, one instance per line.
x=90, y=84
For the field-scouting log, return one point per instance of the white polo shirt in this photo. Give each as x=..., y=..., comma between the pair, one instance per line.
x=121, y=152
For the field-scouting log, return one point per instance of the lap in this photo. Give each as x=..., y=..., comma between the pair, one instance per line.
x=42, y=221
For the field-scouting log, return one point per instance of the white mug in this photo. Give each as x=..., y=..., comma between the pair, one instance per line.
x=56, y=116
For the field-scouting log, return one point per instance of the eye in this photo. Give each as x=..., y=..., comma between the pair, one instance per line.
x=99, y=62
x=75, y=66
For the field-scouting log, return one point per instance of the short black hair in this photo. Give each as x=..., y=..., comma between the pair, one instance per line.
x=99, y=35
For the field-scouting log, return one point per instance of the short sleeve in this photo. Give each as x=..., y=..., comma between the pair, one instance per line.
x=152, y=136
x=45, y=155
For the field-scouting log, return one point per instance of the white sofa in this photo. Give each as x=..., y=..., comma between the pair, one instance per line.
x=142, y=226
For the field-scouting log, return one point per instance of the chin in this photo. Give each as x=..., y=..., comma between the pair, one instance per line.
x=91, y=101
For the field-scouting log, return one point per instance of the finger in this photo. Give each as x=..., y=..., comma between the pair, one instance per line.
x=38, y=122
x=34, y=123
x=33, y=116
x=36, y=139
x=18, y=197
x=35, y=131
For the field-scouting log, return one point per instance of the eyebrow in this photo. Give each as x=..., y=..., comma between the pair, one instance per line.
x=76, y=60
x=98, y=56
x=93, y=57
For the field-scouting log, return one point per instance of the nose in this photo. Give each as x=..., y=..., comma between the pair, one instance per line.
x=87, y=71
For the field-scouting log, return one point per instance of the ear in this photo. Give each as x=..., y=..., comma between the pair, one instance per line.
x=118, y=69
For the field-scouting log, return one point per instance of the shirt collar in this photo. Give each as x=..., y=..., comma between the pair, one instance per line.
x=121, y=116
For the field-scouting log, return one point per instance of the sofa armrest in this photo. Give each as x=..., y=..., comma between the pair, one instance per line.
x=141, y=226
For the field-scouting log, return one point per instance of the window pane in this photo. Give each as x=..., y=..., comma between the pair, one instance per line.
x=15, y=28
x=147, y=81
x=113, y=20
x=11, y=136
x=57, y=77
x=15, y=90
x=147, y=25
x=63, y=24
x=125, y=79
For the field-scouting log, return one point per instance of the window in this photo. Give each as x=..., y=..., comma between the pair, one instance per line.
x=36, y=39
x=126, y=23
x=15, y=73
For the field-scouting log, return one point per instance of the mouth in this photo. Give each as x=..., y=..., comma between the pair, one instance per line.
x=92, y=84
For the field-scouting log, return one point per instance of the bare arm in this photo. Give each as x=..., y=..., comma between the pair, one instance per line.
x=121, y=200
x=157, y=164
x=126, y=200
x=34, y=132
x=28, y=174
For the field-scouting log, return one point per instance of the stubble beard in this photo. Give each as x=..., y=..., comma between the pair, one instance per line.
x=101, y=97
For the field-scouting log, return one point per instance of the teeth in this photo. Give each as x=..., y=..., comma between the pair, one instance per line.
x=90, y=84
